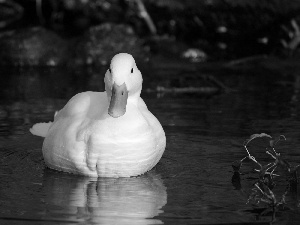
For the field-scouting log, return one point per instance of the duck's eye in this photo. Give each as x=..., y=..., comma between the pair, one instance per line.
x=131, y=70
x=109, y=70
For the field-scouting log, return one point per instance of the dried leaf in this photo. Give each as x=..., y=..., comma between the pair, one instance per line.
x=273, y=143
x=253, y=136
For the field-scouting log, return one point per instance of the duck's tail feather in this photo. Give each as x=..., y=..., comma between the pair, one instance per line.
x=40, y=129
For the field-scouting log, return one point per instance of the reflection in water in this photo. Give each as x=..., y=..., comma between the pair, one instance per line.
x=133, y=200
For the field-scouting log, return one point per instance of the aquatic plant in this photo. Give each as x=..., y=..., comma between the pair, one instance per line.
x=263, y=193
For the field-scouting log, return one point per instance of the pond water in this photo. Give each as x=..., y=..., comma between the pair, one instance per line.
x=192, y=184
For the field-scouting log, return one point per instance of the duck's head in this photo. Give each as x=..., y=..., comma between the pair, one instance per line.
x=123, y=81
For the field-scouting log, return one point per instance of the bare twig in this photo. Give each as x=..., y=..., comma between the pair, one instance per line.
x=39, y=12
x=237, y=62
x=145, y=15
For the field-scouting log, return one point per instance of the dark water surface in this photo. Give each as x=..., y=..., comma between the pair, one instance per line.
x=192, y=184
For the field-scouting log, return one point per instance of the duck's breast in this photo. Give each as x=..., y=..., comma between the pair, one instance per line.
x=126, y=146
x=156, y=127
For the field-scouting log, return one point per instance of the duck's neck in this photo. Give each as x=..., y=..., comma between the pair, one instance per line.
x=134, y=98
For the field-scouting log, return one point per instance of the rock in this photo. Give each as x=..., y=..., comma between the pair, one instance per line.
x=195, y=55
x=100, y=43
x=35, y=46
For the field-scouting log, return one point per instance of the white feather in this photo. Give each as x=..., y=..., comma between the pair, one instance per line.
x=40, y=129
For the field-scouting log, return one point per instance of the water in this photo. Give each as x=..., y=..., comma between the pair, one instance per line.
x=192, y=184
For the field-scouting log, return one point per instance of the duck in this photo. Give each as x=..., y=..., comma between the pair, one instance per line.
x=105, y=134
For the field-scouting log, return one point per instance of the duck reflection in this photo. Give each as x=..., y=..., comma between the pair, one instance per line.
x=134, y=200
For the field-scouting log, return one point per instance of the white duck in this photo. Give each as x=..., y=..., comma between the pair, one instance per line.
x=105, y=134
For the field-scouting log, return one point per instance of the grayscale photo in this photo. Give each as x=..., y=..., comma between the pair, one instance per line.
x=141, y=112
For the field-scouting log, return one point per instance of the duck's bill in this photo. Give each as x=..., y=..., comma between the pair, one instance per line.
x=118, y=101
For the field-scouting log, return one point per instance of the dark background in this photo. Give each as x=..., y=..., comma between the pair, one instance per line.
x=222, y=29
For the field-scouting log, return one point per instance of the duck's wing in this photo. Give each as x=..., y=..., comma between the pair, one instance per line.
x=86, y=104
x=85, y=107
